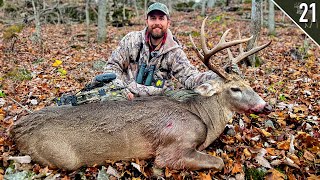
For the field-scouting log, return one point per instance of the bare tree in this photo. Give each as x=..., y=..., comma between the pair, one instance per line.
x=271, y=23
x=203, y=7
x=169, y=2
x=145, y=8
x=102, y=15
x=255, y=28
x=135, y=7
x=211, y=3
x=37, y=22
x=87, y=19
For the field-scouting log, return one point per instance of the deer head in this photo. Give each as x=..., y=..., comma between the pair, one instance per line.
x=237, y=93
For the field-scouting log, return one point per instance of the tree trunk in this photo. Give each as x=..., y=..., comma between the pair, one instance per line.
x=37, y=21
x=271, y=24
x=228, y=2
x=135, y=7
x=211, y=3
x=169, y=2
x=87, y=20
x=145, y=8
x=262, y=11
x=102, y=15
x=255, y=28
x=124, y=12
x=203, y=8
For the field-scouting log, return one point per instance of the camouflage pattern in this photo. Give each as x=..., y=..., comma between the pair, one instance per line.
x=170, y=61
x=110, y=91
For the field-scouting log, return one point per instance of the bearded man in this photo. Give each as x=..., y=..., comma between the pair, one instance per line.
x=145, y=61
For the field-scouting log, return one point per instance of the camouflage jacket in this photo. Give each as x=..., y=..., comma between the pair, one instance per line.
x=169, y=61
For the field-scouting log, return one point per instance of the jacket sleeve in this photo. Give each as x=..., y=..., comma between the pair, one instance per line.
x=186, y=73
x=119, y=58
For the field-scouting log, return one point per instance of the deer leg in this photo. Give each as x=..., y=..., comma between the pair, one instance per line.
x=55, y=154
x=190, y=159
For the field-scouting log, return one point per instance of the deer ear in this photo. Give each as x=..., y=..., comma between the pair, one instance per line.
x=207, y=89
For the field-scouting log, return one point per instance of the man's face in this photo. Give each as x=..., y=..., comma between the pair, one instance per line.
x=157, y=23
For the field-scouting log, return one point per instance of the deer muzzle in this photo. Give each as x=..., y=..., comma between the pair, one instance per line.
x=264, y=108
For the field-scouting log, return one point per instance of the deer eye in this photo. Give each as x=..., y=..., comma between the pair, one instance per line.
x=235, y=89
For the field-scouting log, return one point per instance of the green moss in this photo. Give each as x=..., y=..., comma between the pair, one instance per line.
x=12, y=31
x=254, y=174
x=19, y=74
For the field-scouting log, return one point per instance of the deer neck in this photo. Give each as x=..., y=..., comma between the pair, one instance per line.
x=214, y=114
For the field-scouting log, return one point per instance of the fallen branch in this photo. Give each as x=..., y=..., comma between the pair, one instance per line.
x=29, y=111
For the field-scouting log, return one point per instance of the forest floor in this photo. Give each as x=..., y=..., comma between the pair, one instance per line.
x=283, y=145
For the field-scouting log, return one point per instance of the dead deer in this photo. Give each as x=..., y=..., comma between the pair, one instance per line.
x=174, y=133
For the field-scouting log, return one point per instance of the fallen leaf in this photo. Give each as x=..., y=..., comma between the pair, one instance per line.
x=313, y=177
x=291, y=148
x=289, y=162
x=261, y=160
x=284, y=145
x=276, y=162
x=137, y=166
x=237, y=168
x=265, y=133
x=56, y=63
x=246, y=152
x=62, y=71
x=21, y=159
x=113, y=172
x=274, y=174
x=291, y=176
x=308, y=155
x=204, y=176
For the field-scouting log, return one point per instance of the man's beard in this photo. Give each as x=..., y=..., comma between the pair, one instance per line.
x=155, y=35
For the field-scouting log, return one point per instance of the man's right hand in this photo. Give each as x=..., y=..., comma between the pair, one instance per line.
x=130, y=96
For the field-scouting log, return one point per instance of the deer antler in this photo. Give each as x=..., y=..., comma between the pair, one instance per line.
x=220, y=46
x=242, y=55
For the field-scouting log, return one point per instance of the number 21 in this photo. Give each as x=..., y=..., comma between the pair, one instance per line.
x=305, y=8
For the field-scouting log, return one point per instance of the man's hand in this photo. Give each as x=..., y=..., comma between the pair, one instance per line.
x=130, y=96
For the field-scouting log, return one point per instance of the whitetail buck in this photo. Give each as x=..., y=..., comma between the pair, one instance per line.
x=172, y=132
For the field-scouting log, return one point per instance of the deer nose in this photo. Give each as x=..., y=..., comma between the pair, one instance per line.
x=264, y=108
x=267, y=108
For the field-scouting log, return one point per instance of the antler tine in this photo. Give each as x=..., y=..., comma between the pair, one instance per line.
x=196, y=49
x=203, y=38
x=220, y=46
x=243, y=55
x=209, y=65
x=231, y=58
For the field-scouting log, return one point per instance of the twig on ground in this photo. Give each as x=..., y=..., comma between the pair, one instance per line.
x=28, y=110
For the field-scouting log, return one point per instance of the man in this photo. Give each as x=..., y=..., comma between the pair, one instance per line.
x=146, y=60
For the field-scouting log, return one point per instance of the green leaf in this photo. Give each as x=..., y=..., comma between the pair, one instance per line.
x=102, y=175
x=2, y=94
x=254, y=116
x=282, y=97
x=195, y=34
x=62, y=71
